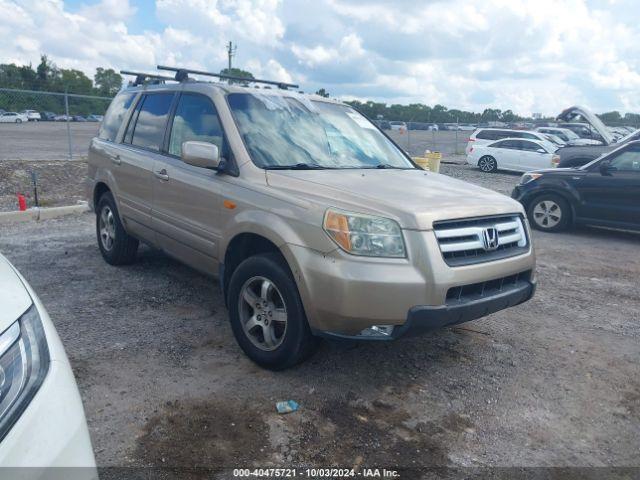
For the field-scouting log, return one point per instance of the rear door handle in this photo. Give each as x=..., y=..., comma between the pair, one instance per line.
x=162, y=175
x=116, y=159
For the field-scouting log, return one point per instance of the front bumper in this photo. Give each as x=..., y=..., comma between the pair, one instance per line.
x=343, y=295
x=518, y=193
x=424, y=318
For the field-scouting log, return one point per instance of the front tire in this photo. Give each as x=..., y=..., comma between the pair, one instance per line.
x=18, y=120
x=488, y=164
x=266, y=313
x=549, y=213
x=117, y=247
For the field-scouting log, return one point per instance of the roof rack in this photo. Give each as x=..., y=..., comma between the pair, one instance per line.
x=141, y=77
x=182, y=74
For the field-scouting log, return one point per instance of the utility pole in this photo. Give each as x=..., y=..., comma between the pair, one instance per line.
x=231, y=52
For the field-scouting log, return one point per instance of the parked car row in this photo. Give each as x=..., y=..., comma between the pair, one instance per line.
x=52, y=117
x=596, y=183
x=34, y=116
x=571, y=144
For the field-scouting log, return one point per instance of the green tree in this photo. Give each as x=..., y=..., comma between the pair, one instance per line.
x=611, y=118
x=323, y=93
x=236, y=72
x=45, y=70
x=107, y=81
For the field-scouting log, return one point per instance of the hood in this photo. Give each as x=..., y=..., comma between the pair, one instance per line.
x=14, y=298
x=570, y=113
x=584, y=141
x=414, y=198
x=559, y=171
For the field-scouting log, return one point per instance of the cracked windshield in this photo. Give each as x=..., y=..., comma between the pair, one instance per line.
x=283, y=132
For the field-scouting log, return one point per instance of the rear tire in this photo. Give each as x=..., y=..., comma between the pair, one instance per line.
x=266, y=313
x=549, y=213
x=488, y=164
x=117, y=247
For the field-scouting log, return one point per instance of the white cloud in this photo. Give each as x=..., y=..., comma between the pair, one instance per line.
x=526, y=55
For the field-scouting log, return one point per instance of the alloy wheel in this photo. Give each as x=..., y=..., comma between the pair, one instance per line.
x=547, y=214
x=487, y=164
x=107, y=228
x=263, y=313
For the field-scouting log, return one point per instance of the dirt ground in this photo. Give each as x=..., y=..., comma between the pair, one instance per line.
x=551, y=383
x=58, y=182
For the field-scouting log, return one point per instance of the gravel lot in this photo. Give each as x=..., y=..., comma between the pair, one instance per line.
x=45, y=140
x=554, y=382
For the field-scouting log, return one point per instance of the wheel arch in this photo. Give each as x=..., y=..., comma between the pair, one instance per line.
x=99, y=189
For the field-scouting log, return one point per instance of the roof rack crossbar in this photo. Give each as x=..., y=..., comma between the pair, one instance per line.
x=183, y=74
x=141, y=76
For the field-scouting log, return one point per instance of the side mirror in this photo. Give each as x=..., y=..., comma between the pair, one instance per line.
x=605, y=167
x=203, y=155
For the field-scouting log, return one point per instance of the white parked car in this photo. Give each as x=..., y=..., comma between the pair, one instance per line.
x=513, y=154
x=32, y=115
x=13, y=117
x=569, y=136
x=42, y=422
x=402, y=126
x=488, y=135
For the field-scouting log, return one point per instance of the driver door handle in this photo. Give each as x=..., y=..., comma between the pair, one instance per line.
x=162, y=175
x=116, y=159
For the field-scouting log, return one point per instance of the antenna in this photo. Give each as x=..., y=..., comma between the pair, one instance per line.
x=141, y=77
x=182, y=74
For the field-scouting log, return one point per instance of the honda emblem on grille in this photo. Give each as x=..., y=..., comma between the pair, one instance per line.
x=490, y=238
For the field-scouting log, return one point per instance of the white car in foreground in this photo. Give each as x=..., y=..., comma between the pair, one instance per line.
x=513, y=154
x=42, y=422
x=13, y=117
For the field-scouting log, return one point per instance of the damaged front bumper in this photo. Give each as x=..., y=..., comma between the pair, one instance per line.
x=424, y=318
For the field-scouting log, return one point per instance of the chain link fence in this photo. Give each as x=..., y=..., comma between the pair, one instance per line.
x=48, y=125
x=415, y=138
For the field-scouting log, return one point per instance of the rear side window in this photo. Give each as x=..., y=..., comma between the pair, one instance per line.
x=148, y=131
x=486, y=135
x=195, y=119
x=114, y=116
x=513, y=144
x=529, y=146
x=529, y=136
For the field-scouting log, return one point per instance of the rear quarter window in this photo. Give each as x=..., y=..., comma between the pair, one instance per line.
x=114, y=116
x=486, y=135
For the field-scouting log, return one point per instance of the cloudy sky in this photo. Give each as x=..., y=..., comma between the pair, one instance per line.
x=526, y=55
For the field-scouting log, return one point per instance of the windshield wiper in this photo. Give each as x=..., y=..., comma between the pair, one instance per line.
x=297, y=166
x=383, y=166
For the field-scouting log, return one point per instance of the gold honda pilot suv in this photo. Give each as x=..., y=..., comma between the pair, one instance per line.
x=314, y=221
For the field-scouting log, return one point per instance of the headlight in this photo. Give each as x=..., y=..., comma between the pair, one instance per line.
x=529, y=177
x=364, y=234
x=24, y=362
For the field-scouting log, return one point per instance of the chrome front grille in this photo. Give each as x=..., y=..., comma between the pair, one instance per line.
x=476, y=240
